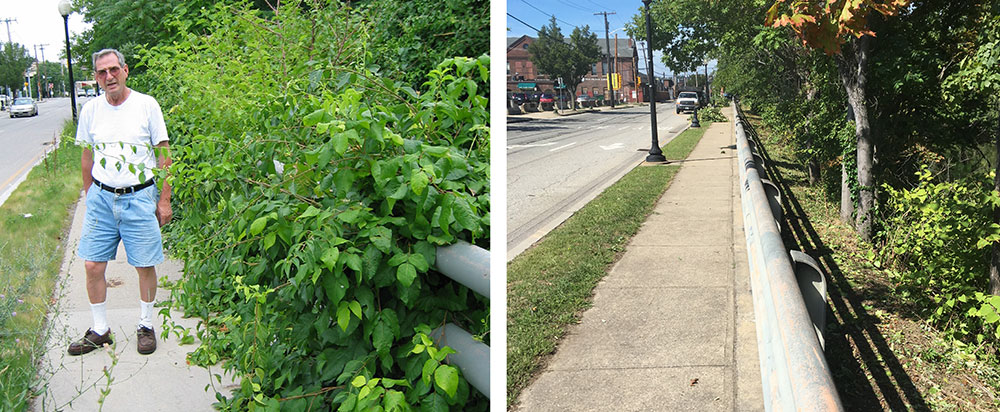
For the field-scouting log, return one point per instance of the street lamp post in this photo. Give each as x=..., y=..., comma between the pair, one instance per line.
x=64, y=9
x=655, y=154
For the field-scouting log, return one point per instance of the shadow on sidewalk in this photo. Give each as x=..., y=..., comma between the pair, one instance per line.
x=851, y=323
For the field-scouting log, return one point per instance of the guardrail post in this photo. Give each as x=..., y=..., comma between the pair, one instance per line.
x=774, y=200
x=812, y=283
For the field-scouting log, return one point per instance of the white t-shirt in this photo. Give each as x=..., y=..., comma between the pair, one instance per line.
x=121, y=136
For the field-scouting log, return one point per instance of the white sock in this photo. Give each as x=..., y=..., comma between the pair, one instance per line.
x=146, y=314
x=100, y=314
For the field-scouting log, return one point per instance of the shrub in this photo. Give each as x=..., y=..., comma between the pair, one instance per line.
x=311, y=193
x=711, y=114
x=938, y=234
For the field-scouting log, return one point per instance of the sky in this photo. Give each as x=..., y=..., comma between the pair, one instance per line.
x=577, y=13
x=38, y=22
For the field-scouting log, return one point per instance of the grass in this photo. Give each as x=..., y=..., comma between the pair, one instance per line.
x=882, y=355
x=549, y=285
x=31, y=250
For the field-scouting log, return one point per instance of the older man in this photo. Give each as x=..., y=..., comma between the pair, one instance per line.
x=124, y=138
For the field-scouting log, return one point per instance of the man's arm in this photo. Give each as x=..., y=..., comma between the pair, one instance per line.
x=163, y=210
x=87, y=166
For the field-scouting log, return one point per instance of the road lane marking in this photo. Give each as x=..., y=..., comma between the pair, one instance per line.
x=516, y=146
x=562, y=147
x=614, y=146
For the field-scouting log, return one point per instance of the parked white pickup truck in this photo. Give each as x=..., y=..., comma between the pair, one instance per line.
x=687, y=102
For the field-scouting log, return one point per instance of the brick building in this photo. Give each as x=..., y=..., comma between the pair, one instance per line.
x=523, y=76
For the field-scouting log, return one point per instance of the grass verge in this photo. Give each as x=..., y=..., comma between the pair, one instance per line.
x=31, y=250
x=549, y=285
x=882, y=355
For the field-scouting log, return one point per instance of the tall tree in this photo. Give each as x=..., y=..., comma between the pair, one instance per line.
x=14, y=61
x=841, y=28
x=571, y=60
x=979, y=72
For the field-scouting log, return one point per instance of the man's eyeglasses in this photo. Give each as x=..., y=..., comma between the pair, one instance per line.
x=113, y=71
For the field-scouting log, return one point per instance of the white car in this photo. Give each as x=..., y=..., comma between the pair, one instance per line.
x=23, y=106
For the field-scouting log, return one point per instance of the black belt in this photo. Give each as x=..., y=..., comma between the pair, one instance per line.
x=124, y=190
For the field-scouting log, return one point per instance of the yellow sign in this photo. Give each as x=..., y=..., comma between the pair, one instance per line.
x=614, y=81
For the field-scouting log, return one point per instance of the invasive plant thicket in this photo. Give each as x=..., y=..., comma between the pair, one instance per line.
x=311, y=192
x=937, y=237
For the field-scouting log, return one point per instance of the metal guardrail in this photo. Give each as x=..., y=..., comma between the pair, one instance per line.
x=794, y=372
x=469, y=265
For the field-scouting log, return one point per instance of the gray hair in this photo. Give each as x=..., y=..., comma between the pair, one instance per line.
x=102, y=53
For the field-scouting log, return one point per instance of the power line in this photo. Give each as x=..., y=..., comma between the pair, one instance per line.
x=574, y=6
x=522, y=22
x=547, y=14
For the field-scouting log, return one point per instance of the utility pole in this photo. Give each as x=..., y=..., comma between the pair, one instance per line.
x=42, y=48
x=708, y=92
x=38, y=80
x=8, y=21
x=607, y=42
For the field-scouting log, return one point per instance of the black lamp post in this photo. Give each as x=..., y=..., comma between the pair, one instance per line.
x=655, y=154
x=65, y=7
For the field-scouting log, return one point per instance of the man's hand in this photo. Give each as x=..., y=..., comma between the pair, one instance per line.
x=163, y=212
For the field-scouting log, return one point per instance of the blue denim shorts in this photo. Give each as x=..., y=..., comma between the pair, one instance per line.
x=129, y=218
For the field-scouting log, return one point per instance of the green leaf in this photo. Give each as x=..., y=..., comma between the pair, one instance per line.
x=428, y=371
x=434, y=403
x=358, y=381
x=258, y=225
x=398, y=258
x=354, y=262
x=348, y=216
x=406, y=273
x=335, y=288
x=269, y=240
x=446, y=377
x=463, y=214
x=330, y=257
x=393, y=400
x=382, y=337
x=355, y=308
x=418, y=182
x=419, y=262
x=381, y=237
x=349, y=403
x=992, y=317
x=343, y=316
x=340, y=143
x=314, y=118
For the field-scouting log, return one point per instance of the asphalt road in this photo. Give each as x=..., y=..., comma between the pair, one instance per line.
x=555, y=166
x=23, y=140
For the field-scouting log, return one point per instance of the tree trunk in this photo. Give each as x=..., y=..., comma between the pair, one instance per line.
x=995, y=259
x=813, y=167
x=846, y=205
x=852, y=65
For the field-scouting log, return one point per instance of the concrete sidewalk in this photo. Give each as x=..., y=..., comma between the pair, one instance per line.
x=162, y=381
x=671, y=326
